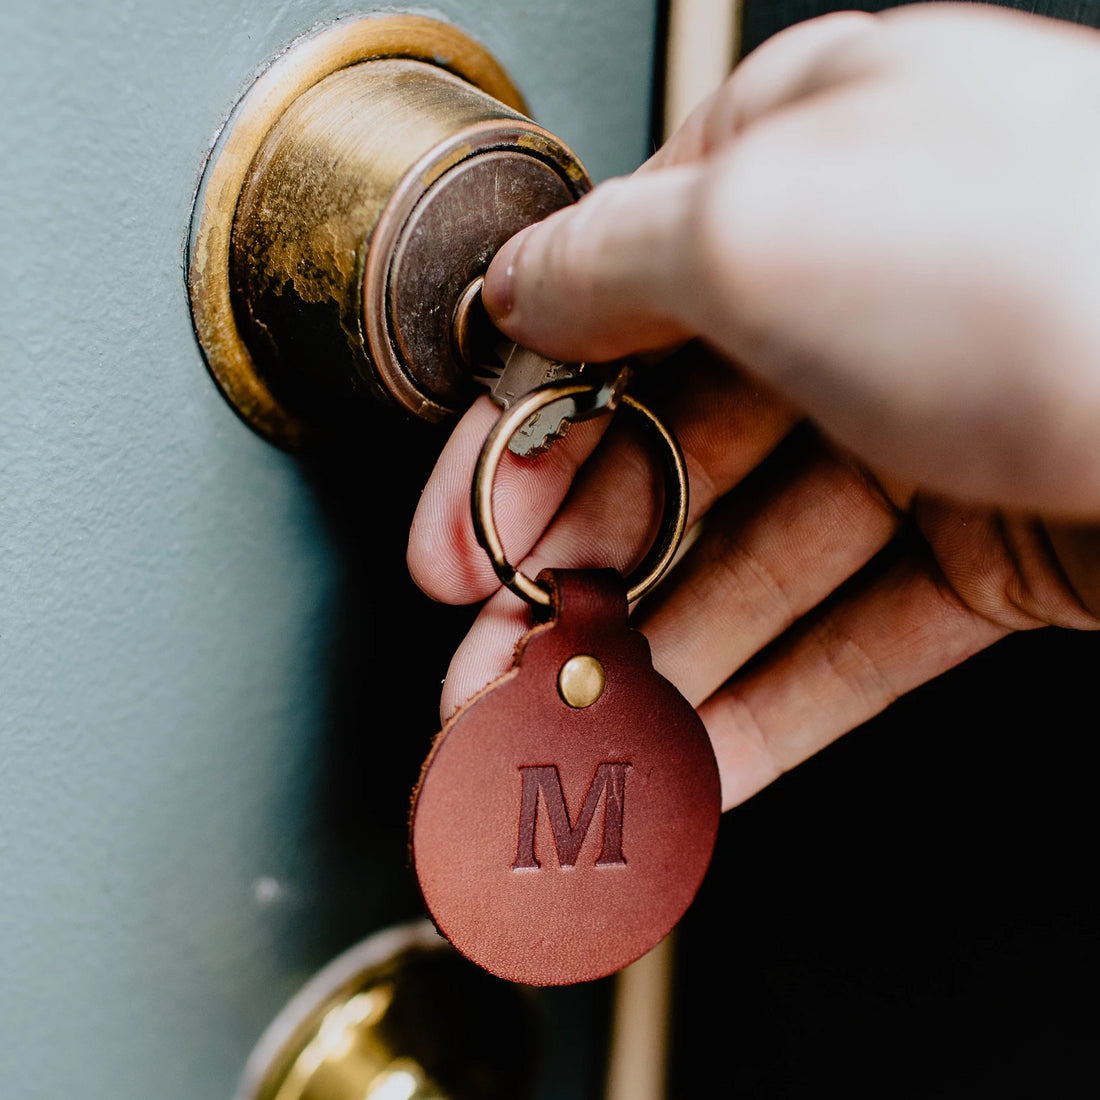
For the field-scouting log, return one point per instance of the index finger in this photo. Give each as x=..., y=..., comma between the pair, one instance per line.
x=725, y=425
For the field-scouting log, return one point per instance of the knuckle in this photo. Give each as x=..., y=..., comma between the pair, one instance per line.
x=1005, y=571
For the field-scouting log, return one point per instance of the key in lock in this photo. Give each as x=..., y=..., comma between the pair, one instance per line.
x=510, y=371
x=357, y=193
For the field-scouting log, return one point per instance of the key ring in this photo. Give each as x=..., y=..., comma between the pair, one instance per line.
x=590, y=398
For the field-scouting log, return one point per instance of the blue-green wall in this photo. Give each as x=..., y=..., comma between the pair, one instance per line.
x=176, y=597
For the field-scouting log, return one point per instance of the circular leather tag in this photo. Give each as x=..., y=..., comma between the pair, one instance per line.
x=556, y=843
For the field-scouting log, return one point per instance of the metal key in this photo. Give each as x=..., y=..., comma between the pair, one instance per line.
x=510, y=372
x=521, y=371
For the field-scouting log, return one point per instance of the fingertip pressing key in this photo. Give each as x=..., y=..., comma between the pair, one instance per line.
x=499, y=290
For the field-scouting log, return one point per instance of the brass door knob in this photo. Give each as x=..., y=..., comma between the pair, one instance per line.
x=362, y=184
x=400, y=1016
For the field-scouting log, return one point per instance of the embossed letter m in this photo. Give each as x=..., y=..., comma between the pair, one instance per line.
x=569, y=837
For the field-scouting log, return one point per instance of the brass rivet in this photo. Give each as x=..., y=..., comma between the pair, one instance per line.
x=581, y=681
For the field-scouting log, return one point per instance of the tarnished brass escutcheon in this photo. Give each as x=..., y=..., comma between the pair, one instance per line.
x=307, y=62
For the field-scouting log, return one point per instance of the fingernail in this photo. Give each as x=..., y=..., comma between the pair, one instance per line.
x=498, y=294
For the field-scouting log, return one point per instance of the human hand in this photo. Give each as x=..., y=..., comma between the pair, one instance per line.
x=891, y=226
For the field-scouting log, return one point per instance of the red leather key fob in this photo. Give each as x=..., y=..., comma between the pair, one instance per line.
x=566, y=815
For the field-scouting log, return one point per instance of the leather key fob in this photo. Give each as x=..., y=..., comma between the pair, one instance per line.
x=566, y=815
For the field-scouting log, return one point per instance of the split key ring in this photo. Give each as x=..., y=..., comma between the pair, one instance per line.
x=589, y=398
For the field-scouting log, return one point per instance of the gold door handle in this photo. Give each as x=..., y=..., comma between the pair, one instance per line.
x=400, y=1016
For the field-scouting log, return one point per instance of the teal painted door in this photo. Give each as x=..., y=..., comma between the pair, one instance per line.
x=201, y=799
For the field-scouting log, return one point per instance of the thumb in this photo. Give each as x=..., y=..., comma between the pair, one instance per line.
x=615, y=274
x=604, y=278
